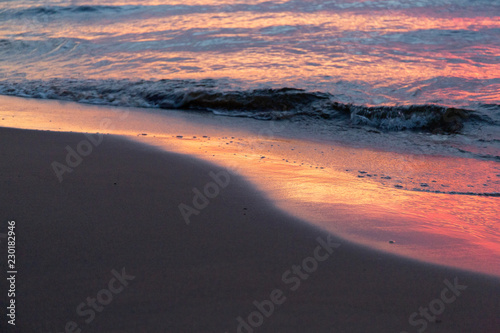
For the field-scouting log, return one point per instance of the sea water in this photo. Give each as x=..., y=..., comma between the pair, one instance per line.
x=418, y=77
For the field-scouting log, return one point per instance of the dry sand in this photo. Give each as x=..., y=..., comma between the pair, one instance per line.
x=119, y=209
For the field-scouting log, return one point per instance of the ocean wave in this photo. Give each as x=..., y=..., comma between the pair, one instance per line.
x=266, y=104
x=54, y=10
x=265, y=6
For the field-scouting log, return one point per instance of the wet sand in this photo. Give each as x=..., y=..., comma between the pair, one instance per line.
x=119, y=210
x=367, y=195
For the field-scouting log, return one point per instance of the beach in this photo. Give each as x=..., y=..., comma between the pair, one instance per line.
x=119, y=211
x=249, y=166
x=436, y=209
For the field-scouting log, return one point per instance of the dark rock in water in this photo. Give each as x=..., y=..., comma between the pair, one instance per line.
x=392, y=242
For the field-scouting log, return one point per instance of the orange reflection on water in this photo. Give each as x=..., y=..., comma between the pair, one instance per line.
x=452, y=229
x=284, y=47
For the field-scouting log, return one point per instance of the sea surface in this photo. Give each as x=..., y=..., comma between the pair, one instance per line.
x=414, y=86
x=385, y=65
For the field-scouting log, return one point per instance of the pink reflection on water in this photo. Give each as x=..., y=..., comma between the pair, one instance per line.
x=392, y=54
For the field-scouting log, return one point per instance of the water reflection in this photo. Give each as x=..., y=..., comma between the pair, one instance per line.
x=363, y=54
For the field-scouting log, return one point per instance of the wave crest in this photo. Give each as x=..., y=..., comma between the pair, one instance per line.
x=266, y=104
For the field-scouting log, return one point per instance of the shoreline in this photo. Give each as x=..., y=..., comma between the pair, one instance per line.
x=119, y=209
x=260, y=166
x=371, y=197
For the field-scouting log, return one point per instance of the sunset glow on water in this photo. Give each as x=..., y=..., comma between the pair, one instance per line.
x=437, y=209
x=250, y=165
x=363, y=52
x=411, y=88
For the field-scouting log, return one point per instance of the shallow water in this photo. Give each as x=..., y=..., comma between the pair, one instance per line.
x=413, y=86
x=212, y=55
x=364, y=195
x=363, y=52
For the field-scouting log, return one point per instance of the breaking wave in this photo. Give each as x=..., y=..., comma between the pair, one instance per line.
x=264, y=104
